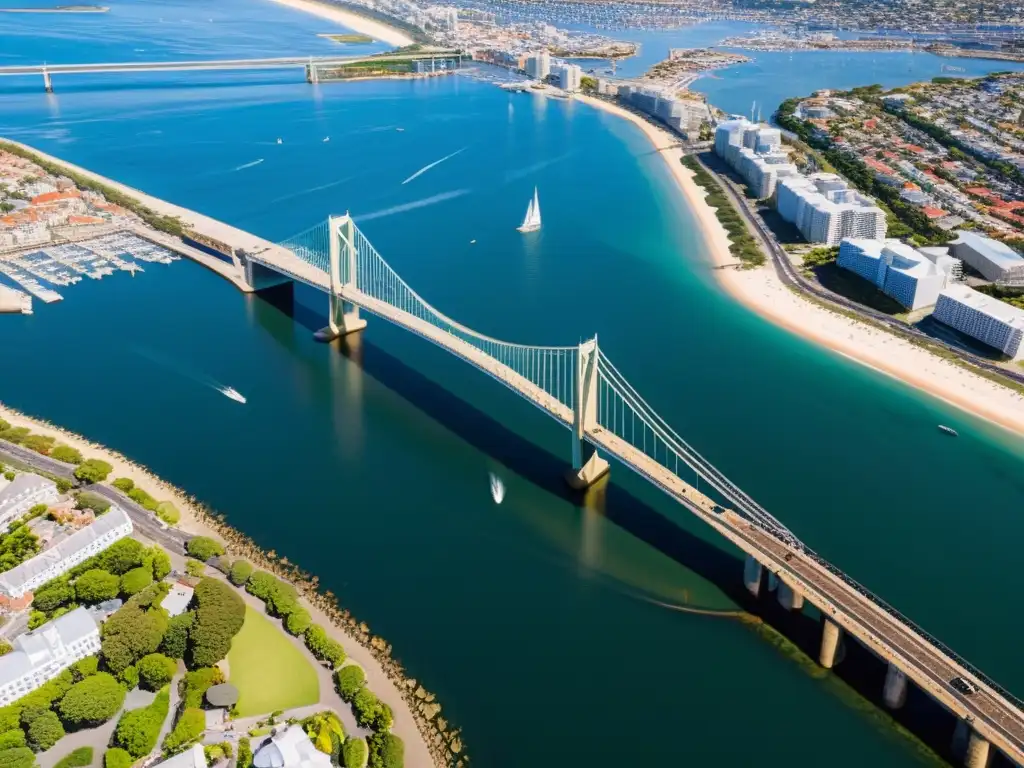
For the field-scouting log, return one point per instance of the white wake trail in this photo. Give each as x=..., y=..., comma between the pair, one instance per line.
x=434, y=164
x=312, y=189
x=248, y=165
x=434, y=200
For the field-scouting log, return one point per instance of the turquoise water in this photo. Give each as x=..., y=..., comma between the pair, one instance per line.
x=547, y=629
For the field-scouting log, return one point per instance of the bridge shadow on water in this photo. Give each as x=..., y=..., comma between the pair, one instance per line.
x=797, y=634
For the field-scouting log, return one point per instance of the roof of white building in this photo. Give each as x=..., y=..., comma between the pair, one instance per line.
x=193, y=757
x=992, y=307
x=177, y=599
x=23, y=481
x=13, y=579
x=291, y=749
x=38, y=647
x=996, y=252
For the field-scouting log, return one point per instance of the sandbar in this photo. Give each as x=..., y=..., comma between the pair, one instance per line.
x=375, y=29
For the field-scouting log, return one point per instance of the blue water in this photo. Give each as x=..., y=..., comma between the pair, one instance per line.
x=533, y=620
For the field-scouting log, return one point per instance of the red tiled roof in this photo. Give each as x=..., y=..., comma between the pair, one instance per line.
x=50, y=197
x=933, y=213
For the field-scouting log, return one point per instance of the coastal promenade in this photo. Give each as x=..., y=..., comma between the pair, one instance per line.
x=580, y=388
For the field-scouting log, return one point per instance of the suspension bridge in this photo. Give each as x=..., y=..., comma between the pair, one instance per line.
x=580, y=388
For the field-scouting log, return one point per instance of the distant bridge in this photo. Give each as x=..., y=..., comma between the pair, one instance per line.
x=312, y=64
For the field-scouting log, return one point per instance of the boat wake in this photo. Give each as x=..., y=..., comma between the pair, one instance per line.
x=317, y=188
x=432, y=200
x=248, y=165
x=529, y=170
x=187, y=373
x=434, y=164
x=497, y=489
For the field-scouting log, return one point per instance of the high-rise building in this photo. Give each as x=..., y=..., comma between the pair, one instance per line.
x=913, y=278
x=538, y=65
x=755, y=153
x=982, y=317
x=993, y=259
x=826, y=211
x=568, y=76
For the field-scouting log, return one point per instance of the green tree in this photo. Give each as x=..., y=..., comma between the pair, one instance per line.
x=97, y=585
x=323, y=647
x=366, y=706
x=167, y=512
x=67, y=454
x=240, y=572
x=350, y=680
x=298, y=621
x=45, y=731
x=195, y=568
x=138, y=729
x=143, y=499
x=202, y=548
x=121, y=556
x=196, y=683
x=123, y=484
x=54, y=595
x=220, y=613
x=86, y=667
x=261, y=584
x=12, y=738
x=282, y=600
x=93, y=471
x=161, y=563
x=77, y=758
x=175, y=642
x=188, y=729
x=354, y=753
x=115, y=757
x=38, y=443
x=130, y=677
x=130, y=634
x=93, y=501
x=136, y=580
x=386, y=751
x=244, y=754
x=18, y=757
x=156, y=671
x=94, y=700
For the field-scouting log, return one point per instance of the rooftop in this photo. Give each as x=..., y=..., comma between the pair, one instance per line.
x=995, y=251
x=986, y=304
x=38, y=647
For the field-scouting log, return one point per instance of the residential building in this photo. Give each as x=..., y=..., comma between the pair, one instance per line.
x=41, y=654
x=22, y=493
x=993, y=259
x=568, y=76
x=290, y=749
x=51, y=563
x=193, y=757
x=755, y=153
x=982, y=317
x=538, y=65
x=826, y=211
x=913, y=278
x=178, y=599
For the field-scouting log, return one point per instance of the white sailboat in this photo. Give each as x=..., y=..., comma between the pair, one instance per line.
x=531, y=222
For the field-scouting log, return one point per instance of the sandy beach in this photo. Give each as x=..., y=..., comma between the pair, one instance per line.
x=375, y=29
x=762, y=291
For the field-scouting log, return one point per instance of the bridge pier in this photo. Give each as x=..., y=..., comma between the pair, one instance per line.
x=895, y=692
x=587, y=466
x=47, y=82
x=833, y=648
x=969, y=745
x=343, y=317
x=752, y=571
x=312, y=74
x=789, y=598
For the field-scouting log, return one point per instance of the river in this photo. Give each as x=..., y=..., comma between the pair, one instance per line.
x=551, y=633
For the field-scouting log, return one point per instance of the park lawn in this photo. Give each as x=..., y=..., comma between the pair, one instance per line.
x=270, y=673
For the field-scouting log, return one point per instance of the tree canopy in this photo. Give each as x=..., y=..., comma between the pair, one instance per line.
x=219, y=615
x=45, y=731
x=92, y=701
x=190, y=726
x=136, y=580
x=138, y=729
x=97, y=585
x=93, y=471
x=156, y=671
x=203, y=548
x=131, y=633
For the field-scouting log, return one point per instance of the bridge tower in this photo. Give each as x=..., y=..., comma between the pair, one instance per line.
x=343, y=317
x=587, y=466
x=47, y=82
x=312, y=74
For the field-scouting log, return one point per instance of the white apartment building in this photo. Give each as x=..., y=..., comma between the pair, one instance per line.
x=22, y=493
x=826, y=210
x=40, y=655
x=79, y=546
x=755, y=152
x=982, y=317
x=538, y=65
x=913, y=278
x=993, y=259
x=568, y=76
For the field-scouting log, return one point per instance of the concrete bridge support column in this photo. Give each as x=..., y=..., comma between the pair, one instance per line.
x=832, y=646
x=789, y=598
x=47, y=82
x=587, y=466
x=967, y=743
x=895, y=692
x=343, y=317
x=752, y=575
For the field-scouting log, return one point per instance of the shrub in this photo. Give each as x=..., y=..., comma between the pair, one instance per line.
x=18, y=757
x=323, y=647
x=161, y=563
x=298, y=621
x=365, y=706
x=97, y=585
x=85, y=667
x=5, y=647
x=130, y=634
x=12, y=738
x=220, y=613
x=37, y=510
x=67, y=454
x=195, y=568
x=136, y=580
x=156, y=671
x=130, y=677
x=168, y=513
x=93, y=471
x=116, y=757
x=196, y=683
x=175, y=642
x=94, y=700
x=30, y=712
x=121, y=556
x=190, y=726
x=354, y=753
x=124, y=484
x=45, y=731
x=203, y=548
x=143, y=499
x=10, y=717
x=241, y=570
x=261, y=584
x=38, y=443
x=386, y=751
x=53, y=596
x=350, y=680
x=282, y=600
x=244, y=754
x=93, y=501
x=78, y=758
x=138, y=729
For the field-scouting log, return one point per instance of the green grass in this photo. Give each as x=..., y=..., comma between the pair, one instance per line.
x=269, y=672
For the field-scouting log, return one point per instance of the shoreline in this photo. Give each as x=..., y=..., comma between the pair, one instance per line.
x=761, y=291
x=378, y=30
x=360, y=645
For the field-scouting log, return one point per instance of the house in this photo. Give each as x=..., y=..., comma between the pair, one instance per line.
x=40, y=655
x=290, y=749
x=193, y=757
x=22, y=493
x=178, y=599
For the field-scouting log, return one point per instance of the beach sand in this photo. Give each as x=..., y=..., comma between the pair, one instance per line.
x=762, y=291
x=375, y=29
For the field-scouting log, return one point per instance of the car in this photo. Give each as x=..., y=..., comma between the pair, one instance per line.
x=965, y=687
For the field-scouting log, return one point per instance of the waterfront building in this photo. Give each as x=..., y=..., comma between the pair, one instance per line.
x=568, y=76
x=22, y=493
x=755, y=153
x=290, y=749
x=607, y=87
x=993, y=259
x=40, y=655
x=913, y=278
x=682, y=115
x=982, y=317
x=538, y=65
x=826, y=211
x=51, y=563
